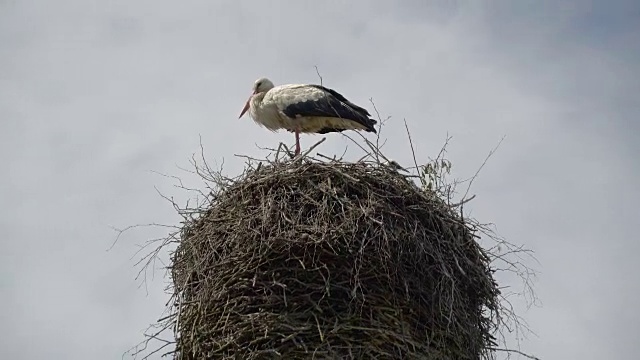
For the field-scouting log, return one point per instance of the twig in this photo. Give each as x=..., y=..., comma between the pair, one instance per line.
x=515, y=352
x=301, y=156
x=413, y=153
x=463, y=202
x=318, y=72
x=481, y=166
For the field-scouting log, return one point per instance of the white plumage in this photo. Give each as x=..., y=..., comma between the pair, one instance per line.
x=304, y=108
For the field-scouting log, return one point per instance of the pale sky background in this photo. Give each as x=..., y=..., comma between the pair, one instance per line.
x=96, y=95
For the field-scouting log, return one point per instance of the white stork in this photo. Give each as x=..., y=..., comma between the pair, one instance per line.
x=304, y=108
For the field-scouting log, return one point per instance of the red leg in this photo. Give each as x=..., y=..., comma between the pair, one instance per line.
x=297, y=142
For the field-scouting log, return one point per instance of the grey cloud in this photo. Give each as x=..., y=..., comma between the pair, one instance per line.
x=96, y=95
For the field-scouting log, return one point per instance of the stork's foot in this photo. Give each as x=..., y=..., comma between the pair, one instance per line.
x=296, y=151
x=297, y=143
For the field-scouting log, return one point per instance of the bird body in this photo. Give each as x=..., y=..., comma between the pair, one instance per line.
x=305, y=108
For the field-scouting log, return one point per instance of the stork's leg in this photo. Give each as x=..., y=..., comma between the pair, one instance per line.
x=297, y=142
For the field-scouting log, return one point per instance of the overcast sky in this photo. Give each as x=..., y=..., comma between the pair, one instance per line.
x=97, y=95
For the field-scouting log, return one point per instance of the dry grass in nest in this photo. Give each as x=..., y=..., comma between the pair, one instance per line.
x=307, y=259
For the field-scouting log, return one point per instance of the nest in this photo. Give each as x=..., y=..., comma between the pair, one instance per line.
x=330, y=260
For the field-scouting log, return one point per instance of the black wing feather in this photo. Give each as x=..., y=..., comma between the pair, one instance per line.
x=331, y=105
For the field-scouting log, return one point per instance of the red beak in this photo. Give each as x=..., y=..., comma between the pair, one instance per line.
x=246, y=105
x=245, y=108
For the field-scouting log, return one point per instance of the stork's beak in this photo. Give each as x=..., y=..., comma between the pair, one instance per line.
x=246, y=105
x=245, y=108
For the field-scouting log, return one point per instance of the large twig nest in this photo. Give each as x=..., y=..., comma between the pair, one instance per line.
x=305, y=259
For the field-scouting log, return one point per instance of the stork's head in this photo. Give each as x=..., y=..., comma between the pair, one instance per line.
x=260, y=86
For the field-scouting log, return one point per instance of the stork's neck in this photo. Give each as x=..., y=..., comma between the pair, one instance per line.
x=257, y=98
x=256, y=107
